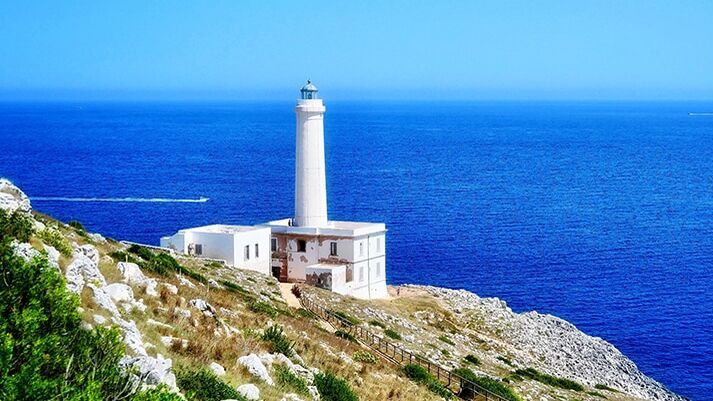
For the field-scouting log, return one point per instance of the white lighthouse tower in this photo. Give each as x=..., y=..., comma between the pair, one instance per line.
x=310, y=178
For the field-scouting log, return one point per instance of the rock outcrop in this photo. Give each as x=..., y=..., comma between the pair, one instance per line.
x=12, y=198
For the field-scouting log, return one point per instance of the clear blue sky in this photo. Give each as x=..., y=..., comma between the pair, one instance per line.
x=360, y=49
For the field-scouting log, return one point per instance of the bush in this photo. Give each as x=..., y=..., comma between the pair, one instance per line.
x=446, y=340
x=288, y=379
x=505, y=360
x=533, y=374
x=343, y=334
x=491, y=385
x=15, y=225
x=77, y=226
x=420, y=375
x=392, y=334
x=160, y=393
x=377, y=324
x=141, y=251
x=605, y=387
x=161, y=263
x=365, y=357
x=55, y=238
x=333, y=388
x=203, y=385
x=472, y=359
x=278, y=341
x=306, y=313
x=350, y=319
x=264, y=308
x=44, y=351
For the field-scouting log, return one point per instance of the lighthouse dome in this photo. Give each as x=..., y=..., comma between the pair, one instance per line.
x=309, y=91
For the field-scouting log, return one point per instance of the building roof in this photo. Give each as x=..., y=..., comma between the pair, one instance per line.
x=336, y=228
x=221, y=229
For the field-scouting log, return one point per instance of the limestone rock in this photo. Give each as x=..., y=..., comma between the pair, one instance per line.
x=132, y=274
x=25, y=250
x=291, y=397
x=152, y=371
x=84, y=268
x=203, y=306
x=182, y=312
x=52, y=256
x=103, y=300
x=172, y=289
x=217, y=368
x=132, y=336
x=119, y=292
x=185, y=282
x=99, y=319
x=255, y=367
x=249, y=391
x=12, y=198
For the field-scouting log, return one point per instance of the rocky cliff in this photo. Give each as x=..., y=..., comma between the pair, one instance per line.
x=177, y=314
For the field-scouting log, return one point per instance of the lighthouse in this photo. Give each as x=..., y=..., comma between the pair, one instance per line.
x=310, y=178
x=347, y=257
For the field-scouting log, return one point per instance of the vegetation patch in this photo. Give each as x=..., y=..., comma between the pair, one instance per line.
x=486, y=383
x=365, y=357
x=392, y=334
x=203, y=385
x=55, y=239
x=377, y=324
x=533, y=374
x=605, y=387
x=275, y=336
x=286, y=378
x=44, y=350
x=596, y=394
x=446, y=340
x=333, y=388
x=470, y=358
x=15, y=225
x=351, y=319
x=306, y=313
x=505, y=360
x=343, y=334
x=420, y=375
x=264, y=308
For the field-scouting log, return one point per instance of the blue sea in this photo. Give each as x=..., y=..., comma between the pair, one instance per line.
x=600, y=213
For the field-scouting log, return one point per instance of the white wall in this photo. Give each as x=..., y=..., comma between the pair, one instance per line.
x=261, y=263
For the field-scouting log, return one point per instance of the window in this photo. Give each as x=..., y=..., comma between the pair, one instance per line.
x=301, y=245
x=378, y=269
x=198, y=249
x=332, y=249
x=378, y=245
x=361, y=274
x=247, y=252
x=273, y=244
x=257, y=251
x=361, y=248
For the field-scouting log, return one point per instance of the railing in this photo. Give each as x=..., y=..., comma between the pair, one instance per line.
x=461, y=386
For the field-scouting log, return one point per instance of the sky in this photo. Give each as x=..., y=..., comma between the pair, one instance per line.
x=502, y=49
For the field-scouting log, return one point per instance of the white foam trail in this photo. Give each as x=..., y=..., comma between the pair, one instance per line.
x=150, y=200
x=700, y=114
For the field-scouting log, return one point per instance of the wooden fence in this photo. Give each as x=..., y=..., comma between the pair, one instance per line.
x=461, y=386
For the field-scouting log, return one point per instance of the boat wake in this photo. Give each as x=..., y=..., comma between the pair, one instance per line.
x=148, y=200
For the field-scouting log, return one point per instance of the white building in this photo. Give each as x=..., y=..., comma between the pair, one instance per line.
x=245, y=247
x=342, y=256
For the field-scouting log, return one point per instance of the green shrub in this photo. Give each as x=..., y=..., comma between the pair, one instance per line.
x=203, y=385
x=343, y=334
x=505, y=360
x=392, y=334
x=445, y=352
x=605, y=387
x=377, y=324
x=365, y=357
x=472, y=359
x=491, y=385
x=160, y=393
x=44, y=351
x=333, y=388
x=278, y=341
x=306, y=313
x=533, y=374
x=264, y=308
x=446, y=340
x=161, y=263
x=141, y=251
x=350, y=319
x=290, y=380
x=77, y=226
x=55, y=238
x=15, y=225
x=419, y=374
x=596, y=394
